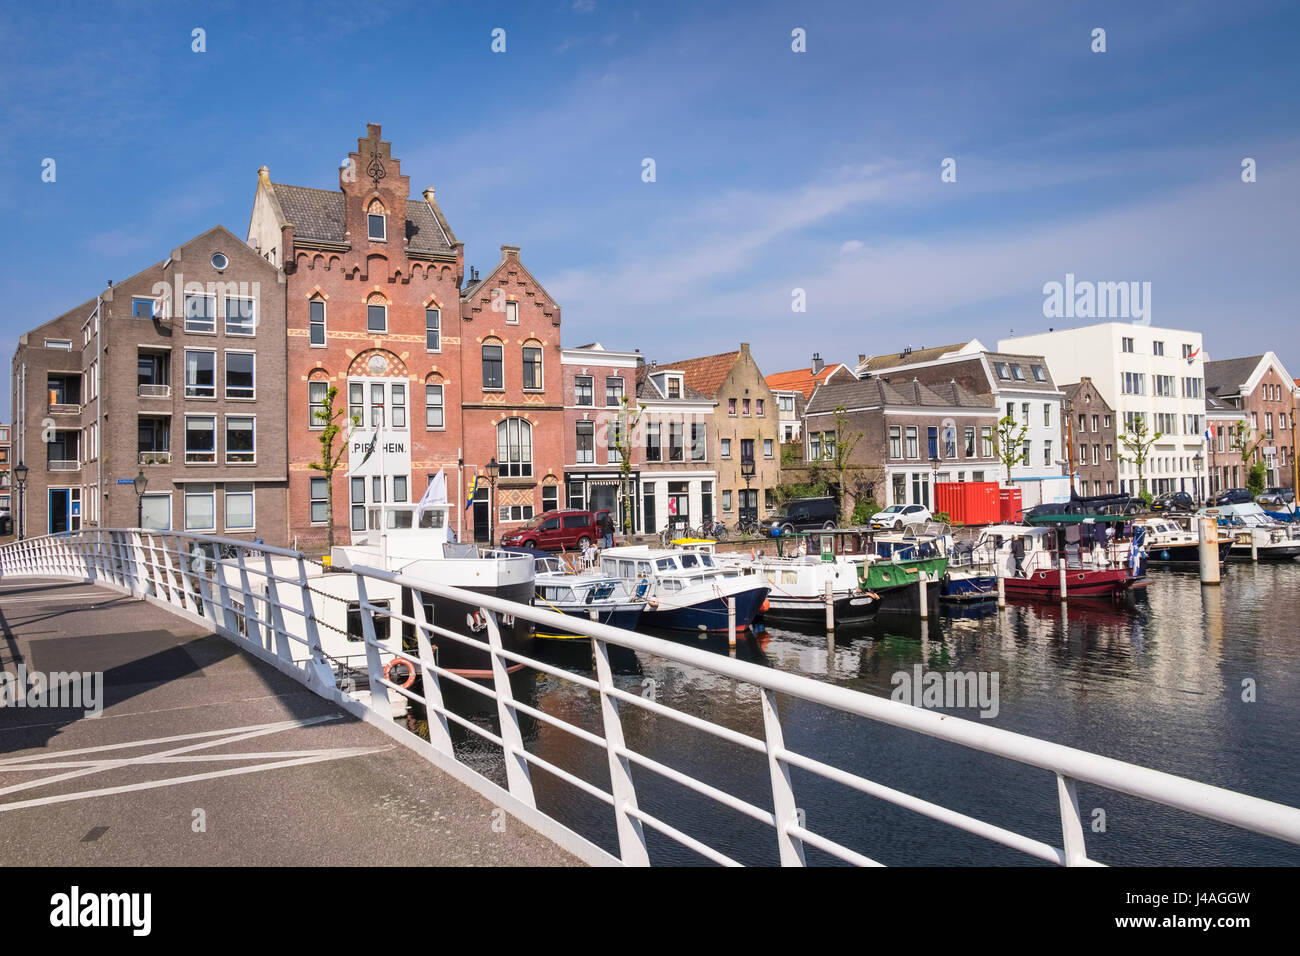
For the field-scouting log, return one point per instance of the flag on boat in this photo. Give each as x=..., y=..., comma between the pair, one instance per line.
x=435, y=494
x=473, y=488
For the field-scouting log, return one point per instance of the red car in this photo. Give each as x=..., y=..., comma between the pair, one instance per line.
x=555, y=530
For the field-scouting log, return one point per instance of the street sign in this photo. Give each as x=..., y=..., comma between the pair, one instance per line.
x=126, y=481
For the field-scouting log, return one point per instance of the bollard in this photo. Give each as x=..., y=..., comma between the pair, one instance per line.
x=1062, y=574
x=1209, y=550
x=1254, y=547
x=925, y=604
x=731, y=622
x=1002, y=583
x=830, y=608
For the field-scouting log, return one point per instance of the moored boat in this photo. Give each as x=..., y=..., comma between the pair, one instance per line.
x=590, y=596
x=1168, y=542
x=1097, y=565
x=685, y=590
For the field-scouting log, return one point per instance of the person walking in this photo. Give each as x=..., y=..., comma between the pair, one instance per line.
x=606, y=531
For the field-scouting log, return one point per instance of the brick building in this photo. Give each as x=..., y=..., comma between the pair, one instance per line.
x=744, y=441
x=436, y=376
x=175, y=374
x=792, y=390
x=1090, y=423
x=679, y=476
x=6, y=474
x=1260, y=387
x=913, y=435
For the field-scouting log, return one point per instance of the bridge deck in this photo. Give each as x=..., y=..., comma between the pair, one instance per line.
x=191, y=723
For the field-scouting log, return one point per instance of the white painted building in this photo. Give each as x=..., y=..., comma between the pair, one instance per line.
x=1140, y=370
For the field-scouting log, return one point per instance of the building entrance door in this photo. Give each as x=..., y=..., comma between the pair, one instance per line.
x=481, y=515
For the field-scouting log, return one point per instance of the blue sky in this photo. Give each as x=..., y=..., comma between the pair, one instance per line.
x=775, y=170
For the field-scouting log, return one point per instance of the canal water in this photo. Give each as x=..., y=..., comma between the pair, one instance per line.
x=1162, y=679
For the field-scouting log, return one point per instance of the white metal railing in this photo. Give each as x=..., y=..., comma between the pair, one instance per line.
x=155, y=391
x=243, y=599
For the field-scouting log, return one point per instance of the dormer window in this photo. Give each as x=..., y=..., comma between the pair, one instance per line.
x=376, y=224
x=674, y=387
x=1017, y=373
x=1002, y=370
x=1039, y=375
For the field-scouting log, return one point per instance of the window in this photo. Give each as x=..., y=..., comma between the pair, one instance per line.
x=1096, y=454
x=376, y=227
x=240, y=315
x=358, y=491
x=200, y=440
x=586, y=443
x=814, y=446
x=1164, y=385
x=515, y=448
x=1001, y=368
x=1047, y=414
x=1024, y=413
x=744, y=406
x=1025, y=452
x=1039, y=374
x=895, y=441
x=200, y=312
x=156, y=512
x=767, y=445
x=970, y=441
x=512, y=313
x=316, y=322
x=1047, y=453
x=785, y=404
x=143, y=309
x=986, y=441
x=747, y=449
x=676, y=451
x=613, y=391
x=652, y=450
x=758, y=407
x=582, y=390
x=494, y=376
x=240, y=374
x=320, y=501
x=399, y=404
x=1157, y=348
x=433, y=419
x=64, y=344
x=932, y=442
x=828, y=445
x=532, y=367
x=239, y=440
x=1192, y=387
x=1126, y=344
x=1134, y=383
x=731, y=406
x=200, y=508
x=674, y=387
x=912, y=449
x=698, y=447
x=726, y=499
x=1106, y=421
x=613, y=435
x=1017, y=373
x=377, y=404
x=356, y=403
x=432, y=330
x=200, y=374
x=239, y=508
x=377, y=318
x=550, y=497
x=399, y=487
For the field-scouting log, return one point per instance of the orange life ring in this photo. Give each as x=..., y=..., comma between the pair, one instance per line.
x=410, y=671
x=765, y=606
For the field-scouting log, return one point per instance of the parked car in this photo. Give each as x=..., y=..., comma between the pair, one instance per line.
x=1174, y=501
x=804, y=514
x=1234, y=496
x=1277, y=496
x=897, y=516
x=553, y=530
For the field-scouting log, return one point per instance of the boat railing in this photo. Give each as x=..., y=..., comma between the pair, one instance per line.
x=247, y=601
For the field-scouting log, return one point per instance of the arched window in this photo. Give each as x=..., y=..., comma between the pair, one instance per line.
x=377, y=314
x=376, y=222
x=532, y=365
x=515, y=448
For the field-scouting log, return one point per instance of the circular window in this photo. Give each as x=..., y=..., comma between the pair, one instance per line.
x=219, y=261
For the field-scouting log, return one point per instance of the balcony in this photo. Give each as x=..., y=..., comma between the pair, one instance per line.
x=63, y=464
x=155, y=458
x=64, y=408
x=155, y=391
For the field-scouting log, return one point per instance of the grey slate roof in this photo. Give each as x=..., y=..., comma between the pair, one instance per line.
x=893, y=359
x=1224, y=378
x=1026, y=363
x=876, y=391
x=318, y=214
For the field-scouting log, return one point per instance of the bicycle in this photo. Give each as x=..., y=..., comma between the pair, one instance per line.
x=749, y=525
x=714, y=529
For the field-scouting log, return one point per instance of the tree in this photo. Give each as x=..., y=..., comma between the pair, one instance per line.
x=1240, y=441
x=625, y=423
x=1008, y=443
x=1257, y=478
x=329, y=458
x=1138, y=441
x=845, y=441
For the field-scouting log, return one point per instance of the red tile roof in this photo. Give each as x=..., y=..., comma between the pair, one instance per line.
x=704, y=374
x=800, y=379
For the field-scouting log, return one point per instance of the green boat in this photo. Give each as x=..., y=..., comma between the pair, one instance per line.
x=897, y=582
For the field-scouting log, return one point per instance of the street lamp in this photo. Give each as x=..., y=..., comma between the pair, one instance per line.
x=934, y=483
x=20, y=475
x=1197, y=460
x=747, y=471
x=141, y=483
x=493, y=469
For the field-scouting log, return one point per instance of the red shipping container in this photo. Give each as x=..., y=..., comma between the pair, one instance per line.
x=1012, y=504
x=968, y=502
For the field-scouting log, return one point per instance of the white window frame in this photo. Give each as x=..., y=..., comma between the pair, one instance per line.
x=251, y=320
x=185, y=440
x=226, y=376
x=512, y=309
x=314, y=423
x=383, y=226
x=225, y=508
x=186, y=311
x=324, y=323
x=437, y=329
x=312, y=500
x=185, y=369
x=376, y=305
x=185, y=504
x=226, y=458
x=441, y=406
x=541, y=366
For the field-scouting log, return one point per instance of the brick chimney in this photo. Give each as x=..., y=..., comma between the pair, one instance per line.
x=817, y=363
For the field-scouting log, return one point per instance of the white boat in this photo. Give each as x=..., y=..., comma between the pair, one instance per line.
x=1165, y=541
x=797, y=586
x=586, y=594
x=1252, y=529
x=685, y=590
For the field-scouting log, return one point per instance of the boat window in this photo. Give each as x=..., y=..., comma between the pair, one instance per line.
x=672, y=584
x=789, y=577
x=689, y=561
x=626, y=568
x=643, y=568
x=380, y=616
x=665, y=564
x=602, y=591
x=706, y=560
x=399, y=519
x=433, y=518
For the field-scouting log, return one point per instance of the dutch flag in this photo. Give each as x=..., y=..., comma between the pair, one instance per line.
x=1209, y=434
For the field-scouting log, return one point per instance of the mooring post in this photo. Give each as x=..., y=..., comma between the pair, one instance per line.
x=1002, y=582
x=731, y=622
x=1061, y=567
x=1209, y=550
x=925, y=604
x=830, y=607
